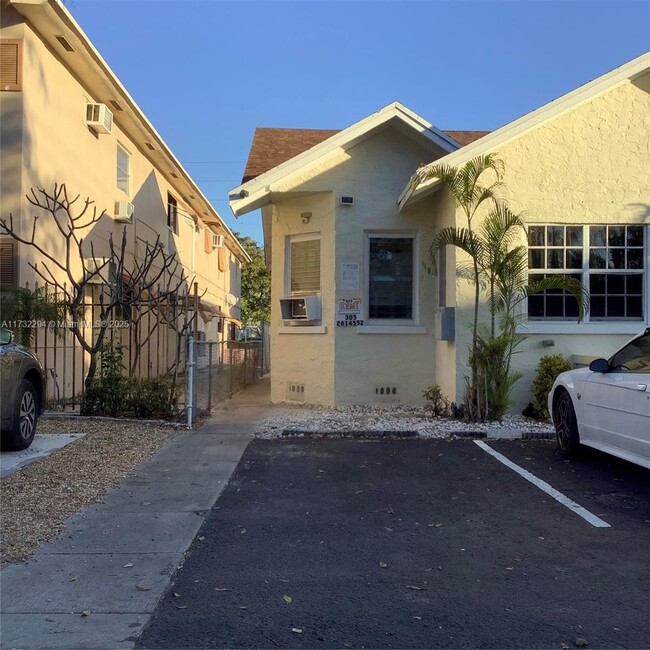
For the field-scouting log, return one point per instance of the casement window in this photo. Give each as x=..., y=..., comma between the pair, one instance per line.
x=303, y=272
x=609, y=261
x=11, y=64
x=172, y=213
x=123, y=169
x=391, y=260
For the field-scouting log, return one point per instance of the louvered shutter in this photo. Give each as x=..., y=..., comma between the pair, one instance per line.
x=305, y=266
x=8, y=263
x=10, y=64
x=207, y=242
x=222, y=260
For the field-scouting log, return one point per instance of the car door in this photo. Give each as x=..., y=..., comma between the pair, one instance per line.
x=616, y=416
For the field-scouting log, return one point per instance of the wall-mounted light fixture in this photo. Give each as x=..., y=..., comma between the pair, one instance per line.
x=305, y=217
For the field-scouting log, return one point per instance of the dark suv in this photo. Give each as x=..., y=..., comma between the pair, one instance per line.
x=22, y=393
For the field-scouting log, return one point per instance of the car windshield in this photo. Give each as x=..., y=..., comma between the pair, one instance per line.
x=634, y=357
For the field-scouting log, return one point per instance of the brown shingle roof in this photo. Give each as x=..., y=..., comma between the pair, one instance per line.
x=271, y=147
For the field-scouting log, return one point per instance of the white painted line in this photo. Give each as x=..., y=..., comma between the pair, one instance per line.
x=545, y=487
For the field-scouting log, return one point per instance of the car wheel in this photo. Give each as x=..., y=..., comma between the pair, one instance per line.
x=21, y=435
x=566, y=426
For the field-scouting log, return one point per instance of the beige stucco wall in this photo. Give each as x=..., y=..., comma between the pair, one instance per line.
x=343, y=365
x=588, y=165
x=45, y=141
x=58, y=147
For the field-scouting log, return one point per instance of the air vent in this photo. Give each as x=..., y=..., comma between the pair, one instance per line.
x=116, y=105
x=99, y=118
x=386, y=392
x=64, y=44
x=150, y=146
x=347, y=200
x=295, y=392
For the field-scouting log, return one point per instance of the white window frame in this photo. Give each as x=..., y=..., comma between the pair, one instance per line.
x=129, y=164
x=292, y=239
x=401, y=325
x=589, y=325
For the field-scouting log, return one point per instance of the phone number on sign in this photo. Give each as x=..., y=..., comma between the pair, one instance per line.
x=349, y=323
x=64, y=324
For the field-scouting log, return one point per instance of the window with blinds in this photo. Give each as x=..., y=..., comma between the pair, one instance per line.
x=11, y=64
x=304, y=269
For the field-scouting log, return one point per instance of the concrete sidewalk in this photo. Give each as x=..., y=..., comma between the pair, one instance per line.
x=96, y=585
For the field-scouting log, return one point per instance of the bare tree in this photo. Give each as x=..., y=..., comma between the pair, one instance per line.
x=128, y=283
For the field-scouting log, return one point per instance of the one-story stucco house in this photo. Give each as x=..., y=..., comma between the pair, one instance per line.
x=356, y=317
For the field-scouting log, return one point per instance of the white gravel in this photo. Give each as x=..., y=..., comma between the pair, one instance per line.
x=306, y=419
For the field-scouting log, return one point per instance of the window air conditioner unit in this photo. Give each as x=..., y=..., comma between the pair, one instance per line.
x=123, y=211
x=218, y=241
x=99, y=118
x=97, y=270
x=300, y=310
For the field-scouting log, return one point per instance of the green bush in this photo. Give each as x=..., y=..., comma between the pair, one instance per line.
x=439, y=403
x=153, y=397
x=548, y=368
x=106, y=394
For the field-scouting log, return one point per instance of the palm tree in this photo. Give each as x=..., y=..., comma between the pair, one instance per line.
x=469, y=195
x=500, y=266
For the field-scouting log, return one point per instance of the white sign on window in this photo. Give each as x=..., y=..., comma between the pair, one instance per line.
x=350, y=276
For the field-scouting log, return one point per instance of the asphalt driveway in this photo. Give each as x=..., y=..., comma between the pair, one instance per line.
x=336, y=543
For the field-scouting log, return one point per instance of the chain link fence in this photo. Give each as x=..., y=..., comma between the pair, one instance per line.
x=217, y=370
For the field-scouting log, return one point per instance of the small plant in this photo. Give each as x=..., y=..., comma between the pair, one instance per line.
x=154, y=397
x=548, y=368
x=106, y=394
x=439, y=403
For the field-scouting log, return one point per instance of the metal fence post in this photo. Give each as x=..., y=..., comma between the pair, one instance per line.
x=210, y=344
x=190, y=380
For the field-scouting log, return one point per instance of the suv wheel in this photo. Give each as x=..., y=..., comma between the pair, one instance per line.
x=21, y=434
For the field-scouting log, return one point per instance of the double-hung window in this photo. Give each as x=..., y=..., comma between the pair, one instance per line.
x=123, y=169
x=391, y=260
x=303, y=275
x=609, y=261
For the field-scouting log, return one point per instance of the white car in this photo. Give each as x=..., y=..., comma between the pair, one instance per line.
x=606, y=406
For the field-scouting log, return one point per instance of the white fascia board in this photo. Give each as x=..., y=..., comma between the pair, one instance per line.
x=254, y=191
x=547, y=112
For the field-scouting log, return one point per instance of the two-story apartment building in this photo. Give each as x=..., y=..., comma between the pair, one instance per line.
x=66, y=118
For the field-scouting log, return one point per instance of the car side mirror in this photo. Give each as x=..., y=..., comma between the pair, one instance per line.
x=6, y=337
x=599, y=365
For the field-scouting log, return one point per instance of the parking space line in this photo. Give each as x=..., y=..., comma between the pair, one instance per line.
x=545, y=487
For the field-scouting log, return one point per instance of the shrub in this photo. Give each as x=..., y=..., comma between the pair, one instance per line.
x=151, y=397
x=548, y=368
x=106, y=393
x=439, y=403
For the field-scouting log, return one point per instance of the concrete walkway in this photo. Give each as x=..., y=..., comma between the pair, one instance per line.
x=96, y=585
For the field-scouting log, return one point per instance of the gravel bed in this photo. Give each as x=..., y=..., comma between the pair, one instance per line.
x=38, y=498
x=301, y=419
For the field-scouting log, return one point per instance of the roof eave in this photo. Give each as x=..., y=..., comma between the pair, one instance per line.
x=42, y=14
x=491, y=141
x=254, y=193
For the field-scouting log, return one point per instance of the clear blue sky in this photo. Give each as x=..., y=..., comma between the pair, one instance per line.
x=207, y=72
